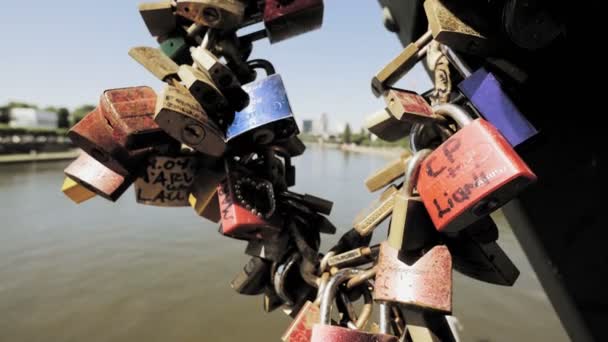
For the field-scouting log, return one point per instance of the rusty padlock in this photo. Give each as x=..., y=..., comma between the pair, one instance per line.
x=285, y=19
x=96, y=177
x=471, y=174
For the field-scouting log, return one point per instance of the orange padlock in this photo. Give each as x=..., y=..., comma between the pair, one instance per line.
x=471, y=174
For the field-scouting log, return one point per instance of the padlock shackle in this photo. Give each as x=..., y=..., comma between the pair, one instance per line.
x=330, y=292
x=262, y=64
x=455, y=112
x=424, y=39
x=413, y=170
x=280, y=275
x=384, y=317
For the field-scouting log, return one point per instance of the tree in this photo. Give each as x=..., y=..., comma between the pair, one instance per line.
x=80, y=112
x=15, y=104
x=347, y=135
x=63, y=118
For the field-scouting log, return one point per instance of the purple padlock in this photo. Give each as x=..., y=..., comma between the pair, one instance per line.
x=487, y=95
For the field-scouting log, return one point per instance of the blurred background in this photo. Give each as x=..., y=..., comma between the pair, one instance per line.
x=120, y=271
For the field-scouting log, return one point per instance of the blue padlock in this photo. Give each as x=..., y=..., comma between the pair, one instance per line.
x=268, y=118
x=485, y=92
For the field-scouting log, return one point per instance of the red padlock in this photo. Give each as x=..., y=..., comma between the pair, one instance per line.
x=285, y=19
x=93, y=175
x=471, y=174
x=130, y=114
x=247, y=207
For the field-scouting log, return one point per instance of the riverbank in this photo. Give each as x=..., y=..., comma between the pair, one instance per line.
x=388, y=152
x=38, y=157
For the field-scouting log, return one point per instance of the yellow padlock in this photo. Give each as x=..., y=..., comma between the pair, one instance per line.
x=76, y=192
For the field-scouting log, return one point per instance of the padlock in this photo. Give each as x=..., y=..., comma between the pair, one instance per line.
x=94, y=135
x=476, y=254
x=130, y=112
x=401, y=64
x=409, y=211
x=183, y=118
x=222, y=77
x=389, y=173
x=247, y=206
x=271, y=300
x=267, y=118
x=386, y=127
x=424, y=284
x=175, y=46
x=273, y=247
x=76, y=192
x=203, y=194
x=315, y=203
x=530, y=25
x=300, y=329
x=220, y=14
x=355, y=257
x=254, y=277
x=287, y=273
x=351, y=240
x=488, y=96
x=471, y=174
x=158, y=17
x=410, y=107
x=285, y=19
x=294, y=146
x=289, y=170
x=96, y=177
x=458, y=26
x=155, y=61
x=204, y=90
x=325, y=332
x=166, y=181
x=369, y=218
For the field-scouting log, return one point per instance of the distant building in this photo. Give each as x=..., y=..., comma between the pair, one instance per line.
x=307, y=126
x=30, y=117
x=324, y=123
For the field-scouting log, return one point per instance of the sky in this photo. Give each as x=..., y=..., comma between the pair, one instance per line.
x=65, y=53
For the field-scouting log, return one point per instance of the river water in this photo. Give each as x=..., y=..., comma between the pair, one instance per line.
x=120, y=271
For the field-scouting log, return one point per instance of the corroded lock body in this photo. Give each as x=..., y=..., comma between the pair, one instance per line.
x=166, y=181
x=247, y=207
x=267, y=118
x=94, y=135
x=426, y=284
x=158, y=17
x=221, y=14
x=96, y=177
x=471, y=174
x=286, y=19
x=387, y=127
x=155, y=61
x=130, y=113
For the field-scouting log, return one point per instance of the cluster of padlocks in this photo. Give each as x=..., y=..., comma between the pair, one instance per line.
x=220, y=139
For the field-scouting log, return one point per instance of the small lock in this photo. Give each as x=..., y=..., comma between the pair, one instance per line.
x=400, y=65
x=130, y=114
x=458, y=26
x=488, y=96
x=96, y=177
x=220, y=14
x=203, y=196
x=324, y=332
x=166, y=181
x=272, y=247
x=408, y=106
x=155, y=61
x=253, y=279
x=387, y=127
x=267, y=118
x=175, y=46
x=158, y=17
x=96, y=137
x=285, y=19
x=389, y=173
x=204, y=90
x=222, y=77
x=247, y=206
x=183, y=118
x=369, y=218
x=470, y=175
x=76, y=192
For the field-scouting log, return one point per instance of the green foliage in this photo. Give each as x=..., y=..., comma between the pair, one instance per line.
x=14, y=104
x=347, y=135
x=63, y=118
x=80, y=113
